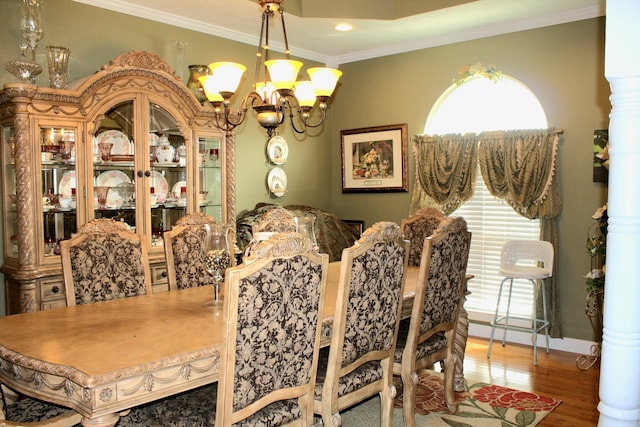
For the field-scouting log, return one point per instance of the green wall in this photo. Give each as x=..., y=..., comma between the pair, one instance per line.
x=563, y=65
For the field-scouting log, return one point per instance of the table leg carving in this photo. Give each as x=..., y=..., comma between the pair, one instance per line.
x=108, y=420
x=462, y=332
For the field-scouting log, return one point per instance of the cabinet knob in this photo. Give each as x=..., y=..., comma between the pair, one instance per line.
x=55, y=289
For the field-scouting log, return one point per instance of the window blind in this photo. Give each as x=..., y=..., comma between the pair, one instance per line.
x=492, y=222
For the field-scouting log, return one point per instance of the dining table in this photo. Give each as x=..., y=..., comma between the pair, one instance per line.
x=104, y=358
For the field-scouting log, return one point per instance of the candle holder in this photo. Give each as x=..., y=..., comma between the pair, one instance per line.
x=25, y=70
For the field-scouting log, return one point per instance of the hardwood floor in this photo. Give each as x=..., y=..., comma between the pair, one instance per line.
x=555, y=376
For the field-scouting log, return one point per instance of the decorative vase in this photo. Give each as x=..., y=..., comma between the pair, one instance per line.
x=218, y=255
x=196, y=71
x=58, y=60
x=165, y=152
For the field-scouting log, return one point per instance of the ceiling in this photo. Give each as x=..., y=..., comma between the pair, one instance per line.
x=381, y=27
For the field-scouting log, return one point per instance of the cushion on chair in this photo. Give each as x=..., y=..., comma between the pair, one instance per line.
x=417, y=227
x=277, y=331
x=367, y=328
x=27, y=410
x=189, y=248
x=107, y=267
x=194, y=408
x=360, y=377
x=524, y=272
x=197, y=408
x=433, y=344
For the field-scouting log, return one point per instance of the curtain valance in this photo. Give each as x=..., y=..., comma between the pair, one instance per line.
x=445, y=170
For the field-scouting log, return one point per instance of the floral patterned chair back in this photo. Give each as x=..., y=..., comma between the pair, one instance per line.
x=21, y=411
x=104, y=261
x=185, y=248
x=273, y=311
x=278, y=220
x=365, y=324
x=417, y=227
x=430, y=336
x=273, y=317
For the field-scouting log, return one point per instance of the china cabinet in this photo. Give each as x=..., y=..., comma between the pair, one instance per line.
x=130, y=142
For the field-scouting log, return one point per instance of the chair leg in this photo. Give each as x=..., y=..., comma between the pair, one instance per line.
x=534, y=321
x=449, y=373
x=506, y=317
x=495, y=319
x=409, y=385
x=386, y=405
x=544, y=314
x=332, y=420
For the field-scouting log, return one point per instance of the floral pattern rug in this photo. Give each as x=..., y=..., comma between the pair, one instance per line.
x=480, y=405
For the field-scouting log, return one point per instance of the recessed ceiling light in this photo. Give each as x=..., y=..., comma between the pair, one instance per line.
x=343, y=27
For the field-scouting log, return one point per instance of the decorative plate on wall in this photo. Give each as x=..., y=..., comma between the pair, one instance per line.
x=277, y=150
x=277, y=181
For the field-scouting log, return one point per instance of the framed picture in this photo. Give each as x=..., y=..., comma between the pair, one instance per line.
x=374, y=159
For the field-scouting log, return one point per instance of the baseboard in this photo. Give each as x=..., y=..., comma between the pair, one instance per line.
x=571, y=345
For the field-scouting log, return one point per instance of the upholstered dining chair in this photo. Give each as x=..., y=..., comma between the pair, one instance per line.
x=278, y=220
x=417, y=227
x=185, y=251
x=104, y=260
x=273, y=319
x=359, y=361
x=22, y=411
x=430, y=336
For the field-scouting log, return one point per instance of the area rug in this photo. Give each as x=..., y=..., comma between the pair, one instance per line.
x=480, y=405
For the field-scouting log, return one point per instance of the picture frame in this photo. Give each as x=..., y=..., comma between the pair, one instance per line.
x=374, y=159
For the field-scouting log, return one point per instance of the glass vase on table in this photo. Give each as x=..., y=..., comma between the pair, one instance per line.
x=218, y=256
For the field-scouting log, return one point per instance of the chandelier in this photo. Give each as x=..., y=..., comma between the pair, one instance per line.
x=275, y=93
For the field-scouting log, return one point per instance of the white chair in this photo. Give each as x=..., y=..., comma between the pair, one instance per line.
x=530, y=260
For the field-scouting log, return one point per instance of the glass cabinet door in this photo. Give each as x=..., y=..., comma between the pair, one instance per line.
x=112, y=190
x=210, y=176
x=58, y=185
x=10, y=213
x=167, y=186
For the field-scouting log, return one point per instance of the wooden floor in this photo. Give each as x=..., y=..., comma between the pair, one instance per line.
x=555, y=376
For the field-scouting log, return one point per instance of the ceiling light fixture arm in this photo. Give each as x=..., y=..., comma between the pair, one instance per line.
x=275, y=86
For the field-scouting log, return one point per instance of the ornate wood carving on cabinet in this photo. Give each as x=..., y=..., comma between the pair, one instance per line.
x=53, y=169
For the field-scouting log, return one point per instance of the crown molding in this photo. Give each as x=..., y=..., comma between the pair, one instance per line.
x=122, y=6
x=473, y=34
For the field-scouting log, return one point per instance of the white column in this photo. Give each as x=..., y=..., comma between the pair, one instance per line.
x=620, y=363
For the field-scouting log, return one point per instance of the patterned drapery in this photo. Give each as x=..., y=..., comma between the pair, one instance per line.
x=519, y=166
x=445, y=170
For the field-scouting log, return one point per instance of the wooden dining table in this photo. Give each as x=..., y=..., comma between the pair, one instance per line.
x=103, y=358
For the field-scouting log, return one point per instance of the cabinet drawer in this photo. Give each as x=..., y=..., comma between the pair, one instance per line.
x=51, y=290
x=158, y=275
x=159, y=280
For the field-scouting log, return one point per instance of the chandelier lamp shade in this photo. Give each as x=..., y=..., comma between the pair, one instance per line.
x=276, y=93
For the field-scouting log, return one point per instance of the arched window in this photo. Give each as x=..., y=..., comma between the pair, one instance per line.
x=480, y=104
